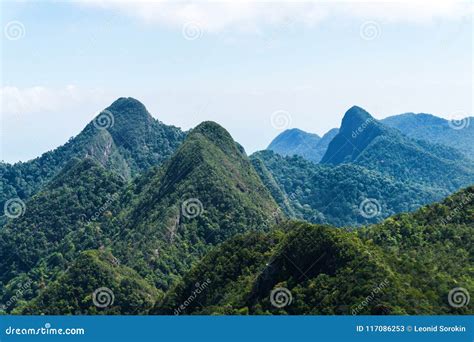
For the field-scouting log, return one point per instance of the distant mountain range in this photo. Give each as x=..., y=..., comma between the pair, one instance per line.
x=457, y=134
x=365, y=161
x=149, y=213
x=364, y=141
x=307, y=145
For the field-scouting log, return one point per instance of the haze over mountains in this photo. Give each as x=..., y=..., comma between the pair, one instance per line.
x=458, y=134
x=149, y=211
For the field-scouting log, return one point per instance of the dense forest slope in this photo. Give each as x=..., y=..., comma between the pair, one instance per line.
x=159, y=225
x=124, y=138
x=458, y=134
x=341, y=195
x=406, y=265
x=135, y=217
x=364, y=141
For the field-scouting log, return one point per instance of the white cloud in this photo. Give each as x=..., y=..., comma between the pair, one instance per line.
x=216, y=16
x=40, y=99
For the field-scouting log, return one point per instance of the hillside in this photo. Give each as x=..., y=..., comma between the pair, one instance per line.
x=456, y=134
x=406, y=265
x=57, y=223
x=206, y=193
x=124, y=138
x=80, y=289
x=342, y=195
x=297, y=142
x=159, y=225
x=364, y=141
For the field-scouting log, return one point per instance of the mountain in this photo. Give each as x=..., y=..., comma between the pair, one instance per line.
x=79, y=289
x=340, y=195
x=416, y=263
x=56, y=224
x=297, y=142
x=196, y=226
x=456, y=134
x=124, y=137
x=157, y=226
x=364, y=141
x=207, y=192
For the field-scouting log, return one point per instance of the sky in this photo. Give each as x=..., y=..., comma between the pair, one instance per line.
x=255, y=67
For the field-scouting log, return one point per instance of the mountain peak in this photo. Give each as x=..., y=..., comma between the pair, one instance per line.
x=297, y=142
x=358, y=129
x=216, y=134
x=356, y=115
x=122, y=102
x=126, y=110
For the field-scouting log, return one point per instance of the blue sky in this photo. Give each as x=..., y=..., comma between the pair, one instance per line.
x=232, y=62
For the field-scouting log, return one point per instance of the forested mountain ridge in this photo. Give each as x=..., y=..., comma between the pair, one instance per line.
x=156, y=227
x=59, y=221
x=409, y=264
x=297, y=142
x=124, y=138
x=457, y=133
x=148, y=227
x=207, y=192
x=364, y=141
x=337, y=195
